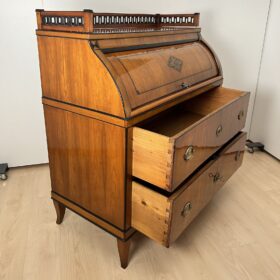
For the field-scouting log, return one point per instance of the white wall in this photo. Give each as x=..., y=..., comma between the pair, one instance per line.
x=266, y=118
x=235, y=29
x=22, y=133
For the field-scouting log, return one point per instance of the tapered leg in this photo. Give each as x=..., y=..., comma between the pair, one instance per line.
x=60, y=211
x=123, y=248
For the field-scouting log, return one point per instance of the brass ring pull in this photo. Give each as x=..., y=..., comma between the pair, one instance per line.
x=219, y=130
x=187, y=208
x=189, y=153
x=216, y=177
x=240, y=115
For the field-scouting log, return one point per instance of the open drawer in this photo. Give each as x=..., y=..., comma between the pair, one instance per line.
x=168, y=148
x=163, y=217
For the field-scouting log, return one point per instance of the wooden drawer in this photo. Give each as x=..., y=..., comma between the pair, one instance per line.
x=168, y=148
x=163, y=217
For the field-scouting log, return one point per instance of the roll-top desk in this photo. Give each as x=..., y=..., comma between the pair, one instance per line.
x=141, y=134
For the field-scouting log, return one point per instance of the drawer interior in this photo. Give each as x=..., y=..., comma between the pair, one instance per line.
x=183, y=116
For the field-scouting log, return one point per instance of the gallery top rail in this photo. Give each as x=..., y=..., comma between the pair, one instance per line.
x=87, y=21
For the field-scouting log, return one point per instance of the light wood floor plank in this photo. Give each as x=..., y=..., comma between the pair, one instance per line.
x=236, y=237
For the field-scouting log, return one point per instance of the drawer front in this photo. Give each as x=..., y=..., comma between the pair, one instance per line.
x=164, y=218
x=203, y=188
x=204, y=139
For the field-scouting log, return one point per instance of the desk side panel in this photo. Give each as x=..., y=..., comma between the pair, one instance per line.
x=72, y=73
x=87, y=163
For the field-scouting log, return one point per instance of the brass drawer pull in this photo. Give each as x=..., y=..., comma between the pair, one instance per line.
x=240, y=115
x=219, y=130
x=216, y=177
x=187, y=208
x=189, y=153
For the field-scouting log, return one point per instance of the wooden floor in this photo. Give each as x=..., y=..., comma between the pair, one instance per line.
x=236, y=237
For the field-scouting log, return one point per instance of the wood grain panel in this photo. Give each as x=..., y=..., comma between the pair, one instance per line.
x=87, y=163
x=71, y=72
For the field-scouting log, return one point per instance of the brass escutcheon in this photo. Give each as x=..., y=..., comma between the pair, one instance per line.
x=187, y=208
x=219, y=130
x=189, y=153
x=216, y=177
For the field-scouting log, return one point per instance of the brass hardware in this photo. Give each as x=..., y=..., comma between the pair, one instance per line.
x=219, y=130
x=184, y=85
x=237, y=155
x=175, y=63
x=189, y=153
x=216, y=177
x=187, y=208
x=240, y=115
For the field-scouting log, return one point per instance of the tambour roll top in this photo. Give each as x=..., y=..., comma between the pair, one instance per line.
x=154, y=73
x=150, y=60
